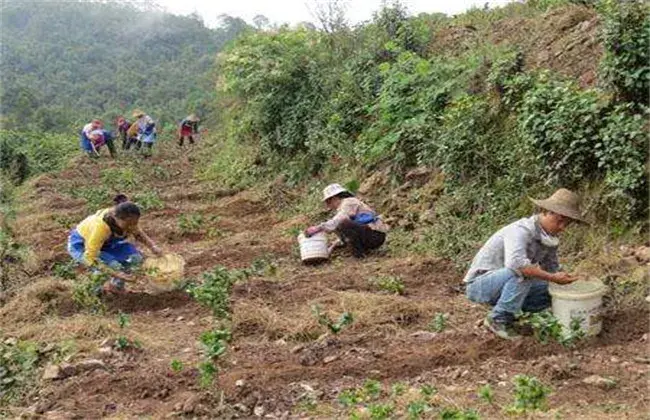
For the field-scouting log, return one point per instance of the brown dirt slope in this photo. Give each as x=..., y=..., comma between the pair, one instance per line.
x=280, y=357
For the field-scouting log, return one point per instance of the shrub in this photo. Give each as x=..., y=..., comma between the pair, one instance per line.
x=625, y=34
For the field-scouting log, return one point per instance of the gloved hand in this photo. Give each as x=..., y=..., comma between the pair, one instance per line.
x=311, y=231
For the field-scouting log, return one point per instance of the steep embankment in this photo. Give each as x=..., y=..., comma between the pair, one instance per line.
x=276, y=363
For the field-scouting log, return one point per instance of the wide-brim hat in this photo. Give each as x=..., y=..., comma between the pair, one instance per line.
x=332, y=190
x=564, y=202
x=193, y=118
x=137, y=113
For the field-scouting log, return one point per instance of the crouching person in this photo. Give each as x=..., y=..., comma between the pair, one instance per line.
x=100, y=242
x=355, y=223
x=512, y=270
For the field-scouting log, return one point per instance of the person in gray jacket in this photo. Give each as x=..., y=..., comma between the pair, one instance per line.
x=512, y=270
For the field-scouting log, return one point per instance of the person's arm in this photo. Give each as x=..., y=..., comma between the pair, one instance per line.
x=347, y=209
x=515, y=243
x=145, y=239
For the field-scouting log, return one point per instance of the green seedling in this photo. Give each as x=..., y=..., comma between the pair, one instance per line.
x=398, y=389
x=344, y=320
x=65, y=270
x=439, y=322
x=486, y=394
x=214, y=292
x=207, y=372
x=390, y=284
x=428, y=391
x=215, y=343
x=123, y=320
x=372, y=389
x=530, y=394
x=349, y=397
x=417, y=409
x=457, y=414
x=381, y=411
x=176, y=365
x=190, y=223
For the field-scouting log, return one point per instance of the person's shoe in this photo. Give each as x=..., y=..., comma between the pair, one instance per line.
x=500, y=329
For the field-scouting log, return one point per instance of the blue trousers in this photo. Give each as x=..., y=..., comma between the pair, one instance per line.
x=118, y=254
x=509, y=293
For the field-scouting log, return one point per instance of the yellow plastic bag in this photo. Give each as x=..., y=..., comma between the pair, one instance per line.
x=164, y=272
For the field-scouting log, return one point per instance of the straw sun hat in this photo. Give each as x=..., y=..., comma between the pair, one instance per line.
x=137, y=113
x=332, y=190
x=564, y=202
x=193, y=118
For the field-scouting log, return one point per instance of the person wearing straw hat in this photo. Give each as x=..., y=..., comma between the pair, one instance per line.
x=512, y=270
x=146, y=129
x=356, y=224
x=189, y=128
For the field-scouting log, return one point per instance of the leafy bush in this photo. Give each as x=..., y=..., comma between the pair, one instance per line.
x=625, y=67
x=547, y=327
x=29, y=153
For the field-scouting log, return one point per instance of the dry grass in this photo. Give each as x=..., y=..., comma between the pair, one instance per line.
x=35, y=301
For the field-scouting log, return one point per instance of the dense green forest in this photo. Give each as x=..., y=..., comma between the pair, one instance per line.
x=65, y=62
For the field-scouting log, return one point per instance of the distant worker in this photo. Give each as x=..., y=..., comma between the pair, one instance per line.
x=512, y=270
x=355, y=223
x=189, y=128
x=123, y=126
x=86, y=145
x=146, y=129
x=100, y=242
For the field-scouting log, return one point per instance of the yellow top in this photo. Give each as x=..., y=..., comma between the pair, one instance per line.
x=95, y=233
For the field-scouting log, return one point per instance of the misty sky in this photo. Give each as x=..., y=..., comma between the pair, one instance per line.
x=294, y=11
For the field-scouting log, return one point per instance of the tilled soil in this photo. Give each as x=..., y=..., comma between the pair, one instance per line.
x=278, y=348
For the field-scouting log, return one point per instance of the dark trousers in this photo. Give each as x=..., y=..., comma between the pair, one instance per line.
x=182, y=138
x=360, y=237
x=111, y=148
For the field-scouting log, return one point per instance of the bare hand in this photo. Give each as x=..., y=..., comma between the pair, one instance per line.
x=563, y=278
x=157, y=250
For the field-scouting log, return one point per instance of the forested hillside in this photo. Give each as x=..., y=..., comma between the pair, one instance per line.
x=65, y=62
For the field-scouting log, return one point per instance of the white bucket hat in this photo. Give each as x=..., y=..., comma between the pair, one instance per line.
x=332, y=190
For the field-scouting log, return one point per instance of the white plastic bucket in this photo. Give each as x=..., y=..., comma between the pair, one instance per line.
x=580, y=300
x=314, y=248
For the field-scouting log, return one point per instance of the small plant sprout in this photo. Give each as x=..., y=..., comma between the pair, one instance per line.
x=344, y=320
x=65, y=270
x=215, y=343
x=398, y=388
x=372, y=389
x=416, y=409
x=123, y=320
x=381, y=411
x=207, y=372
x=458, y=414
x=389, y=284
x=439, y=322
x=530, y=394
x=486, y=394
x=176, y=365
x=428, y=391
x=349, y=397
